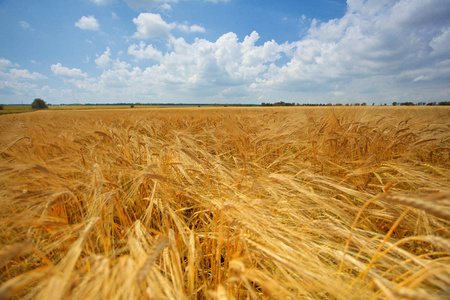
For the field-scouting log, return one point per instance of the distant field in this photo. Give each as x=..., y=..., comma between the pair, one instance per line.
x=90, y=107
x=15, y=109
x=226, y=203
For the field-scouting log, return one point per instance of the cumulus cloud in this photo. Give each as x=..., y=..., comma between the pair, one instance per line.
x=25, y=75
x=103, y=60
x=226, y=66
x=191, y=29
x=17, y=82
x=149, y=25
x=152, y=25
x=87, y=23
x=5, y=63
x=196, y=28
x=145, y=52
x=374, y=39
x=10, y=72
x=59, y=70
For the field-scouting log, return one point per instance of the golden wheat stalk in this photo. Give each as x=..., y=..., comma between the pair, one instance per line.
x=428, y=206
x=160, y=244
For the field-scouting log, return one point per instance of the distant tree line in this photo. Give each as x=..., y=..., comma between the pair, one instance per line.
x=281, y=103
x=421, y=103
x=162, y=104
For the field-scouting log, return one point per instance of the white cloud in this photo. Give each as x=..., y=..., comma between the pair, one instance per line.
x=149, y=25
x=5, y=63
x=441, y=43
x=374, y=39
x=225, y=67
x=16, y=74
x=87, y=23
x=59, y=70
x=183, y=27
x=144, y=52
x=191, y=29
x=197, y=28
x=166, y=6
x=152, y=25
x=25, y=75
x=120, y=65
x=17, y=82
x=103, y=60
x=9, y=72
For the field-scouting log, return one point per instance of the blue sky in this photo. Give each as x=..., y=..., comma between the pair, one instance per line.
x=224, y=51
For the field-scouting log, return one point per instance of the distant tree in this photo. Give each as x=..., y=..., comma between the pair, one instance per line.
x=1, y=107
x=131, y=105
x=38, y=104
x=394, y=103
x=444, y=103
x=364, y=104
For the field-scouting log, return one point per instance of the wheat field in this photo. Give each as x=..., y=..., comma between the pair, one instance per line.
x=226, y=203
